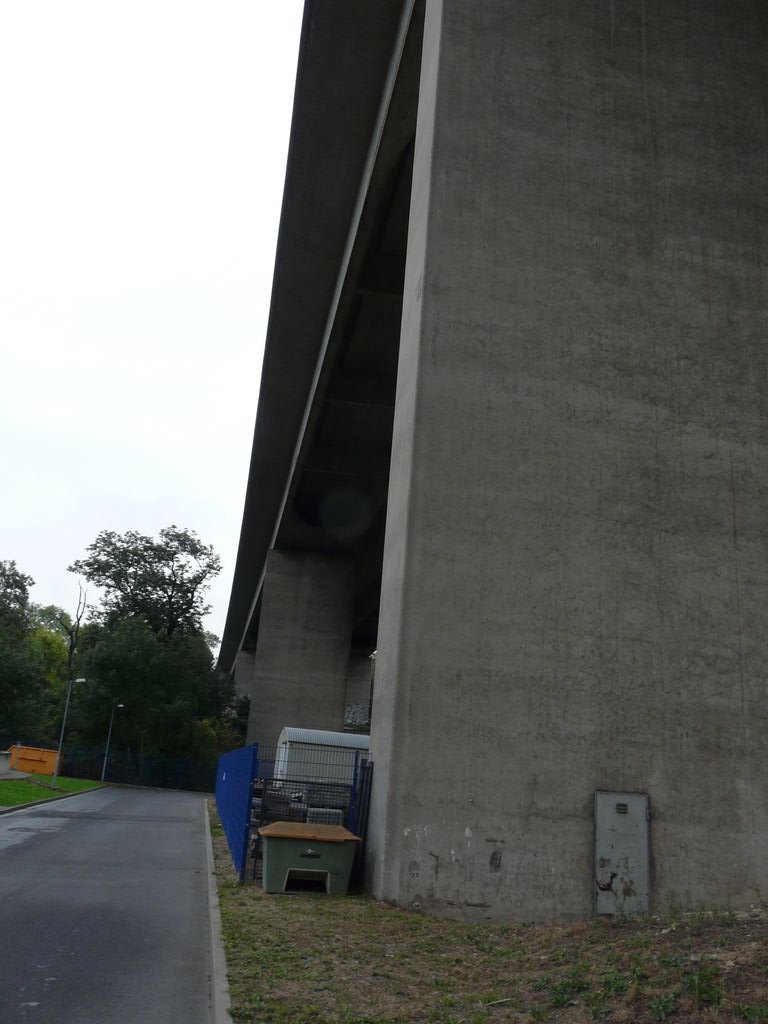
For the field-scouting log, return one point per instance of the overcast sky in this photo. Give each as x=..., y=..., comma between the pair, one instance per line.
x=142, y=157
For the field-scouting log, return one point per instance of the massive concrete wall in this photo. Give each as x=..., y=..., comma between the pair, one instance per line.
x=574, y=592
x=300, y=665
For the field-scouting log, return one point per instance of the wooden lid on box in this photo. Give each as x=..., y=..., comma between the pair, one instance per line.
x=301, y=830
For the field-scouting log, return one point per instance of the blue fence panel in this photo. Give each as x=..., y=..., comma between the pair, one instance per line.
x=234, y=780
x=358, y=816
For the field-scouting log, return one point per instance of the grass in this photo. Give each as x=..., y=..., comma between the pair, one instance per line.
x=15, y=792
x=309, y=959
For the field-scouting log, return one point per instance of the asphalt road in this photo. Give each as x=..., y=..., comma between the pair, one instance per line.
x=104, y=915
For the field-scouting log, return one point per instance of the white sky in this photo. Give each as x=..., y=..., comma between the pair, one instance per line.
x=142, y=156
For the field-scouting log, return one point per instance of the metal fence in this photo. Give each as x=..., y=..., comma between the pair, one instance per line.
x=234, y=782
x=256, y=787
x=135, y=768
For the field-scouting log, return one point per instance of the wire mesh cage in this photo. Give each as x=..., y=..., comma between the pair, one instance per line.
x=313, y=784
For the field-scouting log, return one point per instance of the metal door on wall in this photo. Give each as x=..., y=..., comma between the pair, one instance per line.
x=622, y=870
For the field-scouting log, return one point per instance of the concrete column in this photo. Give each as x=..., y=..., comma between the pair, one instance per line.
x=303, y=645
x=575, y=590
x=244, y=670
x=357, y=702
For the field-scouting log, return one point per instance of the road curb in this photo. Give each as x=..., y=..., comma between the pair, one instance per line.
x=219, y=986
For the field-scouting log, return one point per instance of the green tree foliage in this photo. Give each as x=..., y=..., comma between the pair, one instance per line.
x=175, y=702
x=14, y=597
x=146, y=648
x=51, y=617
x=32, y=662
x=162, y=581
x=49, y=650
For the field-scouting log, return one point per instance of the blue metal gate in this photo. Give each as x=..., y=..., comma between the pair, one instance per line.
x=234, y=781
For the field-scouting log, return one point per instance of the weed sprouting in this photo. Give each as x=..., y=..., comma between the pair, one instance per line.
x=596, y=1002
x=664, y=1006
x=614, y=983
x=638, y=973
x=703, y=986
x=753, y=1013
x=351, y=1018
x=563, y=993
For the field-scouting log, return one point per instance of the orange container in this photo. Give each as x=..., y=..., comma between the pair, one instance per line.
x=37, y=760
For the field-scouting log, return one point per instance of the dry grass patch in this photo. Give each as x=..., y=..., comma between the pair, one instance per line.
x=314, y=959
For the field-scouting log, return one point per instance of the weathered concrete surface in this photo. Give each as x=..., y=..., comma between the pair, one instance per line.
x=575, y=577
x=300, y=666
x=357, y=700
x=243, y=673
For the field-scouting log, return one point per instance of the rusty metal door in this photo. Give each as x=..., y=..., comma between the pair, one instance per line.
x=622, y=875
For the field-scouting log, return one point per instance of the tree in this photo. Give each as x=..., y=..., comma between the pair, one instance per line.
x=50, y=617
x=161, y=581
x=30, y=662
x=71, y=627
x=146, y=648
x=49, y=650
x=176, y=703
x=14, y=598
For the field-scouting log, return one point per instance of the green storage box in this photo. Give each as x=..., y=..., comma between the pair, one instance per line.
x=299, y=856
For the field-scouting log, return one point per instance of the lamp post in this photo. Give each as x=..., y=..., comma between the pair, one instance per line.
x=109, y=737
x=64, y=725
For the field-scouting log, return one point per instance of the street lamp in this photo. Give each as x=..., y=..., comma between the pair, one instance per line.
x=63, y=726
x=109, y=737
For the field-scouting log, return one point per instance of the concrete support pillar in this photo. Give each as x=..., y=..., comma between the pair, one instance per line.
x=303, y=647
x=245, y=666
x=357, y=703
x=575, y=590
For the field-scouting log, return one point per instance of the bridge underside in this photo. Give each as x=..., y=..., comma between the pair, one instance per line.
x=511, y=435
x=320, y=466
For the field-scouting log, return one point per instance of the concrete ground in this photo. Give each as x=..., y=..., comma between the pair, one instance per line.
x=104, y=899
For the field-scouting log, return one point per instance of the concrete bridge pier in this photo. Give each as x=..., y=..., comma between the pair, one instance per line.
x=302, y=653
x=574, y=590
x=519, y=325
